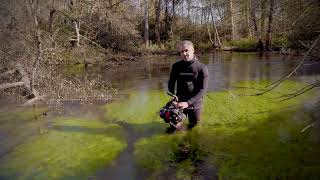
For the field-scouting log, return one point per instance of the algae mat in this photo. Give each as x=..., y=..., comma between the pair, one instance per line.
x=243, y=137
x=72, y=149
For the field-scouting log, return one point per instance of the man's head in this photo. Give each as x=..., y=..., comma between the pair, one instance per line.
x=186, y=50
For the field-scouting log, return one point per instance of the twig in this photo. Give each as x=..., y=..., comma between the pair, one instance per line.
x=304, y=90
x=304, y=44
x=232, y=95
x=307, y=127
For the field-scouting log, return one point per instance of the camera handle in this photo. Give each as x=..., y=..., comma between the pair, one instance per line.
x=176, y=98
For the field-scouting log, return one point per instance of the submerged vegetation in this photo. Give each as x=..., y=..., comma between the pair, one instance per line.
x=71, y=149
x=239, y=137
x=242, y=137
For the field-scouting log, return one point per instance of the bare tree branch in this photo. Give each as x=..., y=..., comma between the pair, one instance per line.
x=10, y=85
x=24, y=75
x=303, y=90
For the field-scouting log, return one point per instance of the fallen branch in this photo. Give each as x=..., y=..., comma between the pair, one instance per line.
x=10, y=85
x=24, y=75
x=303, y=90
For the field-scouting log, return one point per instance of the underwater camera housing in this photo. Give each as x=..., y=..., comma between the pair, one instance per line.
x=171, y=114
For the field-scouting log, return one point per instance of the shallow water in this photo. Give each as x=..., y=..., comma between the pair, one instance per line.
x=134, y=129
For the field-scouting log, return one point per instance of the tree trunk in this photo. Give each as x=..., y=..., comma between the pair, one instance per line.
x=52, y=12
x=173, y=17
x=262, y=25
x=233, y=26
x=206, y=19
x=51, y=16
x=77, y=29
x=253, y=18
x=157, y=23
x=269, y=30
x=216, y=34
x=167, y=19
x=247, y=14
x=188, y=9
x=146, y=23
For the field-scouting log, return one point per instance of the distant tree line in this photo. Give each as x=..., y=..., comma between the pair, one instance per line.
x=38, y=36
x=284, y=22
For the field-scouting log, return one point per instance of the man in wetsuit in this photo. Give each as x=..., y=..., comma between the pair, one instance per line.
x=191, y=77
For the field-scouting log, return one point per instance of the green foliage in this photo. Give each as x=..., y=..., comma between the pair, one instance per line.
x=169, y=46
x=280, y=42
x=204, y=45
x=72, y=149
x=154, y=48
x=244, y=44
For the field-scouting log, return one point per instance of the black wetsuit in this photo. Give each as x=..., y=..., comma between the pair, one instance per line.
x=192, y=82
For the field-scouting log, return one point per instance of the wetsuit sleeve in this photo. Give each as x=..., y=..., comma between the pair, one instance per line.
x=203, y=85
x=172, y=79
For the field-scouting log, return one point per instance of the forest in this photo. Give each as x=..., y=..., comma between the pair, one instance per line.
x=38, y=37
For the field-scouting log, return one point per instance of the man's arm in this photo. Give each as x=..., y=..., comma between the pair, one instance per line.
x=172, y=79
x=203, y=85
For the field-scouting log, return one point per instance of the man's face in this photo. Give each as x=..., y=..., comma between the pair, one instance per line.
x=186, y=52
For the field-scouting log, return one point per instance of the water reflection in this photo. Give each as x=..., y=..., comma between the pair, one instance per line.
x=224, y=69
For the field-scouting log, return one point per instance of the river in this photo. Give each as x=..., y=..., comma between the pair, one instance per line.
x=69, y=146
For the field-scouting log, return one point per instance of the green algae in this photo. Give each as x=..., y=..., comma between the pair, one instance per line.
x=238, y=108
x=140, y=109
x=245, y=137
x=72, y=149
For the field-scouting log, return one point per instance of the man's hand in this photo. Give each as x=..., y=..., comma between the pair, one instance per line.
x=183, y=105
x=175, y=98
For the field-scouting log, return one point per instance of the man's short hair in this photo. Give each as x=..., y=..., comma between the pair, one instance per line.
x=185, y=43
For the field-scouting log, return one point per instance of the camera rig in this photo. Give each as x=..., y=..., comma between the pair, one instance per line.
x=172, y=114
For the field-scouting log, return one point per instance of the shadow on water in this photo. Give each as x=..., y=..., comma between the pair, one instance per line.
x=190, y=159
x=86, y=130
x=18, y=124
x=125, y=167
